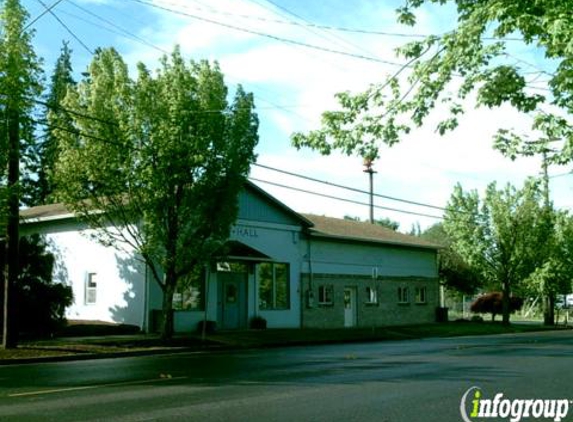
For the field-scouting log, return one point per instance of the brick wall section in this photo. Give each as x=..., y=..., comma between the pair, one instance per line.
x=388, y=311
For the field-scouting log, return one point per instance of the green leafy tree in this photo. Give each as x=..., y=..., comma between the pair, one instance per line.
x=471, y=64
x=498, y=236
x=552, y=275
x=384, y=222
x=39, y=189
x=40, y=302
x=156, y=163
x=20, y=84
x=455, y=273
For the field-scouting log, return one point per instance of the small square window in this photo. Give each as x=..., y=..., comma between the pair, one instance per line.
x=91, y=289
x=371, y=295
x=403, y=295
x=325, y=294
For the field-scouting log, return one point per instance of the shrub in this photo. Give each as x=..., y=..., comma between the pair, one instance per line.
x=40, y=303
x=258, y=323
x=210, y=326
x=491, y=303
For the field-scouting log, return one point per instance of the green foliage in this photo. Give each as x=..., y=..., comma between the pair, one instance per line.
x=20, y=81
x=162, y=156
x=45, y=152
x=384, y=222
x=500, y=236
x=552, y=276
x=40, y=302
x=454, y=272
x=443, y=72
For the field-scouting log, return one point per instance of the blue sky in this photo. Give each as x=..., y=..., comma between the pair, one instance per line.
x=293, y=84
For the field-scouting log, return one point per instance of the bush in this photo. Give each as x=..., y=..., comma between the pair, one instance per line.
x=210, y=327
x=258, y=323
x=491, y=303
x=40, y=303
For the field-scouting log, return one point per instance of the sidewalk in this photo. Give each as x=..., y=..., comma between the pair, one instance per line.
x=97, y=347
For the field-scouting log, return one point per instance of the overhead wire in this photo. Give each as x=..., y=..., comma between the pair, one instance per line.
x=266, y=35
x=352, y=201
x=319, y=31
x=66, y=27
x=290, y=41
x=119, y=28
x=306, y=23
x=47, y=9
x=312, y=179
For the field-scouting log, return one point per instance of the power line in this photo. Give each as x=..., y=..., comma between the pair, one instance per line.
x=312, y=179
x=126, y=34
x=66, y=27
x=78, y=133
x=291, y=41
x=307, y=23
x=310, y=26
x=123, y=30
x=266, y=35
x=47, y=10
x=323, y=195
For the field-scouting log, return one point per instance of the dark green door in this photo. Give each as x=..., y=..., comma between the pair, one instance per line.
x=232, y=300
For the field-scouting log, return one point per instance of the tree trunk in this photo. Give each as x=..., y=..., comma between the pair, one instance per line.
x=548, y=309
x=167, y=328
x=505, y=299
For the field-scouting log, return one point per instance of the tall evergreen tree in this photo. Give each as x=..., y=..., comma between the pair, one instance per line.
x=46, y=151
x=20, y=84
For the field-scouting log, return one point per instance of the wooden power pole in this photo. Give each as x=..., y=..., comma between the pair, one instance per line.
x=9, y=336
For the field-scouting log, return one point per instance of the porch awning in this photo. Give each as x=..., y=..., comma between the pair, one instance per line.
x=234, y=249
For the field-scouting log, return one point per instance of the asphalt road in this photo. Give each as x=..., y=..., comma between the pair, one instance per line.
x=419, y=380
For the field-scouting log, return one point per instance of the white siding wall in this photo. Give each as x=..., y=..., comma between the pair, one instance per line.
x=120, y=277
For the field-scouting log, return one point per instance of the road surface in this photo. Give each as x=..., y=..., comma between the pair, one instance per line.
x=416, y=380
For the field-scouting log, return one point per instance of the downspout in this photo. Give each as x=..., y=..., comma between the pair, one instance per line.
x=305, y=298
x=207, y=281
x=145, y=327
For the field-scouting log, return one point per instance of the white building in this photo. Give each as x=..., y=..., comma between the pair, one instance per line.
x=293, y=270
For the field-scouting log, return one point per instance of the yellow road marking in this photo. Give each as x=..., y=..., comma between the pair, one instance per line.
x=91, y=387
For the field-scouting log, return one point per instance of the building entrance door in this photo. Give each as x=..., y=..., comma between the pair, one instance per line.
x=233, y=300
x=350, y=306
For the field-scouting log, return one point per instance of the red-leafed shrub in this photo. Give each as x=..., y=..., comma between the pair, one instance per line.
x=491, y=303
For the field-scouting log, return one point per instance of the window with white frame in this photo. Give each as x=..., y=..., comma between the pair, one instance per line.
x=273, y=281
x=371, y=295
x=420, y=295
x=325, y=294
x=403, y=295
x=91, y=289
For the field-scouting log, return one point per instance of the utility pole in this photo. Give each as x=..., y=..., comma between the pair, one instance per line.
x=548, y=301
x=9, y=337
x=368, y=162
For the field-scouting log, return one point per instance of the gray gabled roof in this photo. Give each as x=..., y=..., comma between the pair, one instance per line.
x=349, y=230
x=317, y=226
x=59, y=211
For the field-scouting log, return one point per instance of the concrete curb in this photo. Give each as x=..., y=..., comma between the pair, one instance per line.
x=111, y=355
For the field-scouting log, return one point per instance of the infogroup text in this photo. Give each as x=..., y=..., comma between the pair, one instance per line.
x=474, y=407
